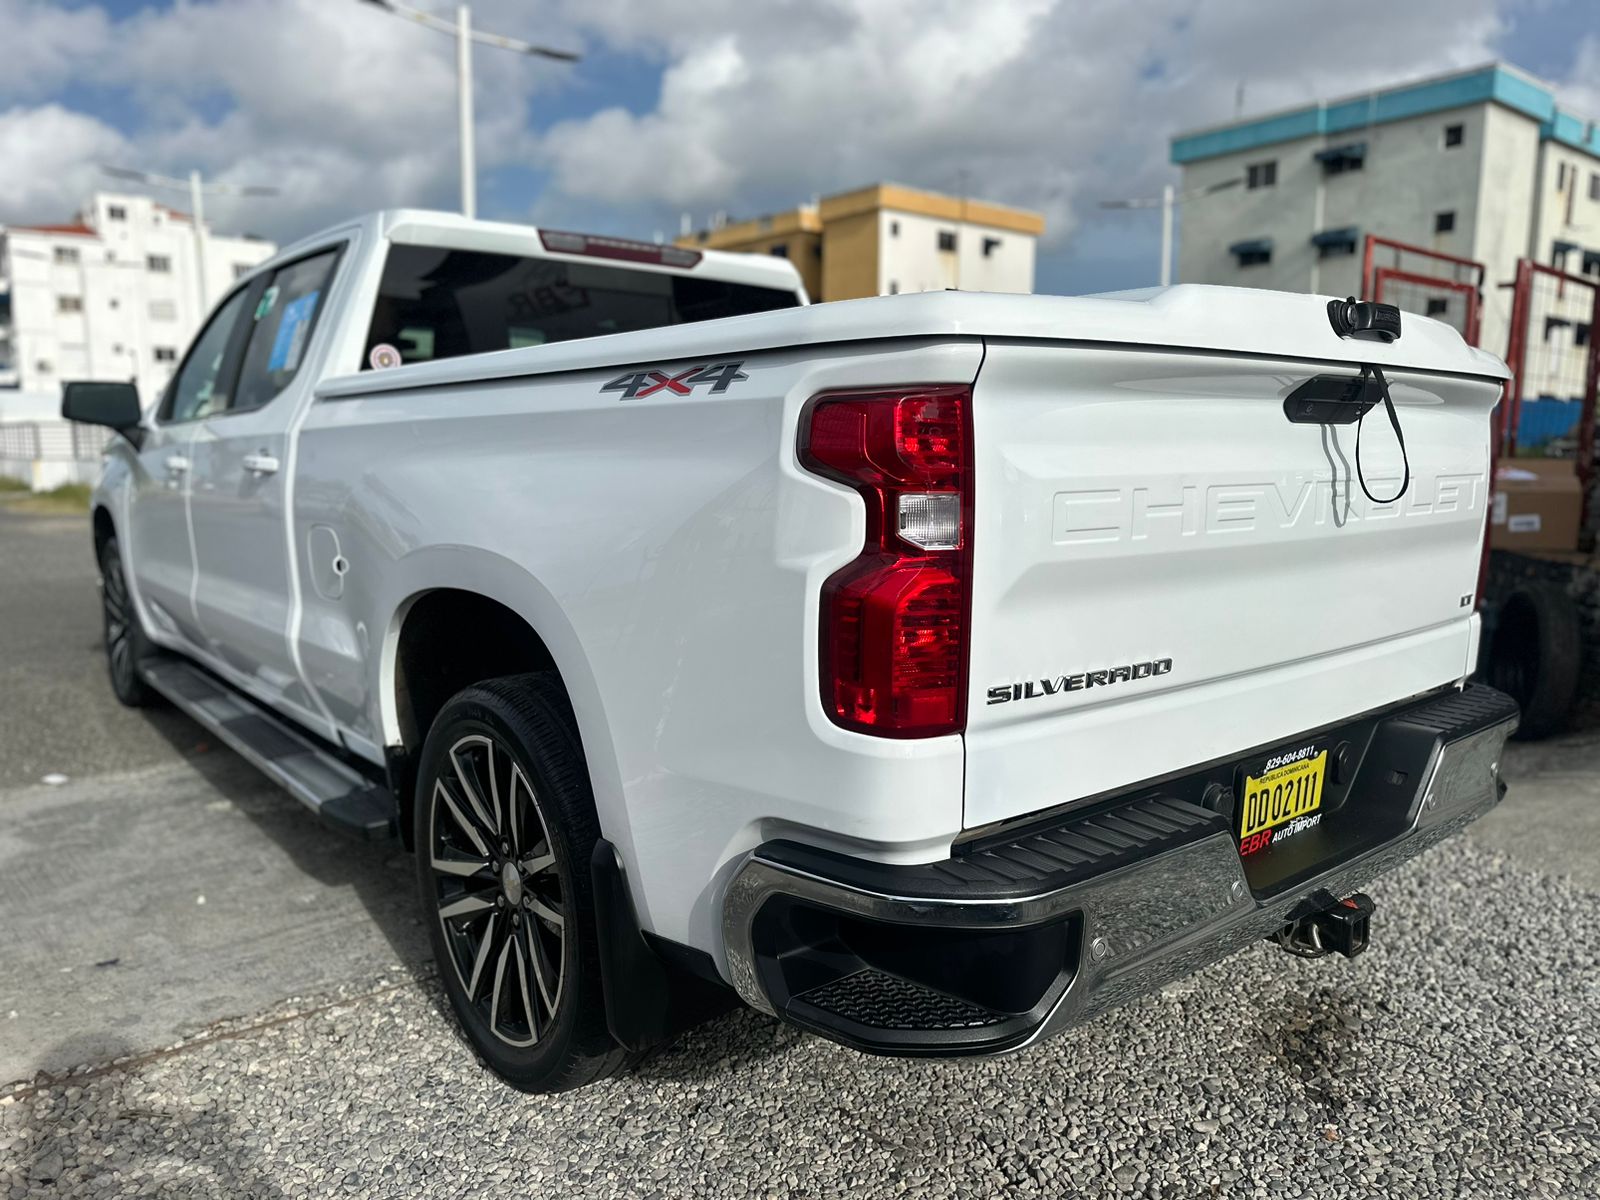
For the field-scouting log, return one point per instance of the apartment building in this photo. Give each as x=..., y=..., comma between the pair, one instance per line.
x=115, y=293
x=888, y=238
x=1483, y=164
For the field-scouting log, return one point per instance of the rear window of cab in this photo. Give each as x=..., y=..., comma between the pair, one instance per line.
x=436, y=303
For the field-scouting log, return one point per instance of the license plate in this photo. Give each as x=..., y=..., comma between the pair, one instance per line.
x=1284, y=796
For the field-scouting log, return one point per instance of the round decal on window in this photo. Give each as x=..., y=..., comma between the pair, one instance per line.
x=383, y=355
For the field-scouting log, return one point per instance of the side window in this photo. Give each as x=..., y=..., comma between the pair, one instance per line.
x=199, y=389
x=285, y=316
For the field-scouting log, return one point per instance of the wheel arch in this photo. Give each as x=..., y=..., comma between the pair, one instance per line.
x=459, y=622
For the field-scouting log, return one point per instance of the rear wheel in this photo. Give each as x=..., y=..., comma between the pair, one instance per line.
x=1535, y=656
x=505, y=827
x=124, y=636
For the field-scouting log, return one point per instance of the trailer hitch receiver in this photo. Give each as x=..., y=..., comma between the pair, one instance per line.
x=1342, y=927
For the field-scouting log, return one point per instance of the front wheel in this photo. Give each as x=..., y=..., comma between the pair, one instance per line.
x=505, y=826
x=124, y=636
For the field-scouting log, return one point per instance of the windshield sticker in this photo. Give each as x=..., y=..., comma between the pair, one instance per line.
x=265, y=304
x=383, y=356
x=293, y=326
x=636, y=385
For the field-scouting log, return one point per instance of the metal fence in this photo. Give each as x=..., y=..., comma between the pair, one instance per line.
x=1427, y=282
x=53, y=441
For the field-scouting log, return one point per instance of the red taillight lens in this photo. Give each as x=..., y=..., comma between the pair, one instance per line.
x=894, y=621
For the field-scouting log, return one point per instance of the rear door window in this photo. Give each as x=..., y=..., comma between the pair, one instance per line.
x=285, y=317
x=436, y=303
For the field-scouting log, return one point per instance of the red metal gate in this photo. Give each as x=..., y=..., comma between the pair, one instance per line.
x=1418, y=280
x=1554, y=363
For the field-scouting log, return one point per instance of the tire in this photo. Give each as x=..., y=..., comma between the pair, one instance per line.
x=502, y=783
x=1536, y=655
x=125, y=641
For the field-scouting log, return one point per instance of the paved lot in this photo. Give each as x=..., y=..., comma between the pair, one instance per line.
x=286, y=1037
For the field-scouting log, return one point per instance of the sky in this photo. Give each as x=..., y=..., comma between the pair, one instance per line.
x=701, y=107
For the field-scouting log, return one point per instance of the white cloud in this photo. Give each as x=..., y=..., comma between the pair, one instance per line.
x=48, y=155
x=1035, y=102
x=1052, y=104
x=340, y=106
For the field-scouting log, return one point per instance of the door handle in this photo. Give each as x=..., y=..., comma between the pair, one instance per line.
x=177, y=464
x=261, y=464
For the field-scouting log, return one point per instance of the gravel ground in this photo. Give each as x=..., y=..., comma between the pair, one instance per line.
x=1459, y=1057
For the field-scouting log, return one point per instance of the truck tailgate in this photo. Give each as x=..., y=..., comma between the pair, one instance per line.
x=1168, y=571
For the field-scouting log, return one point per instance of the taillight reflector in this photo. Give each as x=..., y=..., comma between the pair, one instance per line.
x=894, y=621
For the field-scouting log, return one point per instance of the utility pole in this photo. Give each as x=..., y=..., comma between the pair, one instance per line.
x=197, y=188
x=461, y=29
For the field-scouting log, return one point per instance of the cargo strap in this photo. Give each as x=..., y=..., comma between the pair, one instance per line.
x=1383, y=388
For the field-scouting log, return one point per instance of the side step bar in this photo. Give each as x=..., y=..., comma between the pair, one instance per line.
x=322, y=781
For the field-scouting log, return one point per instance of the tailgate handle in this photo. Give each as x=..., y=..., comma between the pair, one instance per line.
x=1331, y=400
x=1345, y=400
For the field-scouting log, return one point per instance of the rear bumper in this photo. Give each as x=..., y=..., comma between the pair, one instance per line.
x=992, y=949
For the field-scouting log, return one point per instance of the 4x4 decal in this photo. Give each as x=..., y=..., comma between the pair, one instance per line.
x=636, y=385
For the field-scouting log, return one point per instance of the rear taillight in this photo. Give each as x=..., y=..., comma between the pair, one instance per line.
x=894, y=621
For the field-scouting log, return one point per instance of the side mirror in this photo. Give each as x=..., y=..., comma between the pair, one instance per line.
x=115, y=405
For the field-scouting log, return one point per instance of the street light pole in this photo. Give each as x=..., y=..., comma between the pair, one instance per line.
x=461, y=29
x=197, y=213
x=469, y=166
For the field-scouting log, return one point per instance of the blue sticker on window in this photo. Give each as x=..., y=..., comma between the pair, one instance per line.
x=290, y=343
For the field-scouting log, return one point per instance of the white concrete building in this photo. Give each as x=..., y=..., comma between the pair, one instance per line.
x=114, y=294
x=1482, y=164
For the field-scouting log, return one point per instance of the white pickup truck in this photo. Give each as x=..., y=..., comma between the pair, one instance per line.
x=933, y=671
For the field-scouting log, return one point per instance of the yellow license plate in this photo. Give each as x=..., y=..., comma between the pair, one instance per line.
x=1278, y=796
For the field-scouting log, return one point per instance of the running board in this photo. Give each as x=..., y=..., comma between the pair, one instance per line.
x=326, y=784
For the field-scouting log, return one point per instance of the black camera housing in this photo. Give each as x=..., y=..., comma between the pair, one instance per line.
x=1364, y=319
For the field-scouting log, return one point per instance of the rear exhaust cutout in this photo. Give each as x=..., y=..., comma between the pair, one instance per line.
x=1342, y=927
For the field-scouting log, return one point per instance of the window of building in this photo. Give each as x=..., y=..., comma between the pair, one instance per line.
x=116, y=212
x=1437, y=306
x=160, y=264
x=990, y=245
x=1580, y=335
x=781, y=250
x=1254, y=253
x=163, y=310
x=164, y=354
x=894, y=228
x=66, y=255
x=69, y=304
x=1594, y=185
x=1261, y=174
x=1336, y=160
x=43, y=367
x=947, y=239
x=1336, y=243
x=240, y=270
x=1444, y=222
x=1454, y=135
x=894, y=288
